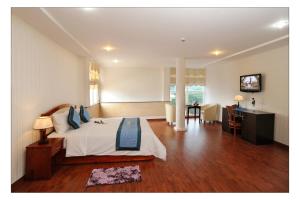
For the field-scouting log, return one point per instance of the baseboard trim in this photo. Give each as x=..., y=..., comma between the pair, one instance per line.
x=180, y=129
x=156, y=119
x=281, y=145
x=13, y=185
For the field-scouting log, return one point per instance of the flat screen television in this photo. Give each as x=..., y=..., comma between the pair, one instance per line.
x=250, y=83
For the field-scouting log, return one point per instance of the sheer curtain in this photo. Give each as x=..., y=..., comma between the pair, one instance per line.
x=194, y=86
x=94, y=75
x=192, y=76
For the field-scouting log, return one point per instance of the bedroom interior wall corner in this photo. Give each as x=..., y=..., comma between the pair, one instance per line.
x=85, y=77
x=44, y=74
x=273, y=63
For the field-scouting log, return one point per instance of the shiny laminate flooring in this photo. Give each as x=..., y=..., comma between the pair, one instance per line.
x=203, y=159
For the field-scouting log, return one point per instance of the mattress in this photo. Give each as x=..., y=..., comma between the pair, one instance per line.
x=100, y=139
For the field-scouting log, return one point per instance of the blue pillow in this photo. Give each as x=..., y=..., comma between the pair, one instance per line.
x=84, y=114
x=74, y=118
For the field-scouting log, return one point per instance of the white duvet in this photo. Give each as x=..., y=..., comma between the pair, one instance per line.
x=100, y=139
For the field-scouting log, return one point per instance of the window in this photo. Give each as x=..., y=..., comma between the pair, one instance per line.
x=173, y=94
x=94, y=84
x=94, y=94
x=193, y=93
x=194, y=85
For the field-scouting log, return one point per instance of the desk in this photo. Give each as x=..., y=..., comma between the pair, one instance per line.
x=256, y=126
x=195, y=112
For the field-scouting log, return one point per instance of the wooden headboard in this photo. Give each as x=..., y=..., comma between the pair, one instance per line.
x=56, y=108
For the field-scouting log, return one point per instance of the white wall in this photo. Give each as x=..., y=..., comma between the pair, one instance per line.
x=43, y=75
x=134, y=84
x=166, y=77
x=223, y=84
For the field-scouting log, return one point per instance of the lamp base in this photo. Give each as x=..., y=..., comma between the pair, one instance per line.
x=43, y=137
x=44, y=142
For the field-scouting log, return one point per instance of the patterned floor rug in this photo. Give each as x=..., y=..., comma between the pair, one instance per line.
x=115, y=175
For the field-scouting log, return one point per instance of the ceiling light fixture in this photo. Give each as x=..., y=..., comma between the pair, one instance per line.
x=88, y=9
x=216, y=52
x=280, y=24
x=116, y=61
x=108, y=48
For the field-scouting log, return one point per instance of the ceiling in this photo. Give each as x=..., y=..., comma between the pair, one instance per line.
x=151, y=37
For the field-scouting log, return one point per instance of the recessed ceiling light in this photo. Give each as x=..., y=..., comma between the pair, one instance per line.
x=88, y=9
x=217, y=52
x=116, y=61
x=108, y=48
x=280, y=24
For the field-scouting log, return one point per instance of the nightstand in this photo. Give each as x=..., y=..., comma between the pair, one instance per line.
x=40, y=158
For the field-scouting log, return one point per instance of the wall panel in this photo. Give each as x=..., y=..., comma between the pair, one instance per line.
x=43, y=75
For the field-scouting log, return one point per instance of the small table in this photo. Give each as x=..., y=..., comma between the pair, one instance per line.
x=195, y=107
x=40, y=158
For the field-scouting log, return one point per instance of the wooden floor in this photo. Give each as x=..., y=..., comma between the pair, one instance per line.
x=203, y=159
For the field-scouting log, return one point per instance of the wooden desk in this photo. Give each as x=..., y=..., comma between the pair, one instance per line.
x=195, y=112
x=256, y=126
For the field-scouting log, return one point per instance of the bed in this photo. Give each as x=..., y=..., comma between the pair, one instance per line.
x=94, y=142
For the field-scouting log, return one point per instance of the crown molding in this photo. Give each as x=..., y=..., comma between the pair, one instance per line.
x=247, y=50
x=60, y=26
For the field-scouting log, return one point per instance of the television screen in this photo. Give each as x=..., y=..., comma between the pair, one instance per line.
x=250, y=83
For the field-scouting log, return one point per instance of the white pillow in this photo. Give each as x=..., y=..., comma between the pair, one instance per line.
x=60, y=122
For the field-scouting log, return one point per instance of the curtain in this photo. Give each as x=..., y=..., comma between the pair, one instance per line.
x=94, y=75
x=192, y=76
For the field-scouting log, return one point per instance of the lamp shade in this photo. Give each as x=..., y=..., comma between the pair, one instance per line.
x=238, y=98
x=43, y=123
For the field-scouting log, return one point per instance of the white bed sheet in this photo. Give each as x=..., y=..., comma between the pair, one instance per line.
x=100, y=139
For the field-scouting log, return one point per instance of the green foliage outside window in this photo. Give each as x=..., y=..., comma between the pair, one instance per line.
x=193, y=93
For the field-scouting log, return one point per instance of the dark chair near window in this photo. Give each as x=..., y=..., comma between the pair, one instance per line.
x=232, y=119
x=193, y=107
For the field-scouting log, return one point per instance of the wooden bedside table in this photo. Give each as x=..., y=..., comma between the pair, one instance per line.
x=40, y=158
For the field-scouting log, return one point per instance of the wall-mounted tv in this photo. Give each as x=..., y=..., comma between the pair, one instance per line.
x=250, y=83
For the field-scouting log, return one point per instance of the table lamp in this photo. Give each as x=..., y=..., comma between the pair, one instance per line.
x=42, y=123
x=238, y=98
